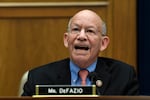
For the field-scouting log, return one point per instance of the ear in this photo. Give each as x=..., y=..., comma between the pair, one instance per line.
x=66, y=40
x=104, y=43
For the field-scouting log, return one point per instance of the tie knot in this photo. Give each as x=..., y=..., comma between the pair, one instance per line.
x=83, y=75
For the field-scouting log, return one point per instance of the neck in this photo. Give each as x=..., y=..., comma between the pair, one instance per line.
x=84, y=64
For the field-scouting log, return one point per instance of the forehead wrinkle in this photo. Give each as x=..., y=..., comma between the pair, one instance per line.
x=90, y=16
x=80, y=25
x=83, y=24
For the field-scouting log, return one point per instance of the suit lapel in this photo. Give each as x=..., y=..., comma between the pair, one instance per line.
x=64, y=75
x=103, y=75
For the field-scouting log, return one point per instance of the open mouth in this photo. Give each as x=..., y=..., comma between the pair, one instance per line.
x=82, y=47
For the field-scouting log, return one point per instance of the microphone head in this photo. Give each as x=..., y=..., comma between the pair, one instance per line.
x=93, y=77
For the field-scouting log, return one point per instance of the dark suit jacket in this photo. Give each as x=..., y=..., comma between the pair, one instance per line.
x=118, y=78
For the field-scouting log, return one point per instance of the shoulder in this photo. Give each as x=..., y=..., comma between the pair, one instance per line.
x=112, y=62
x=115, y=65
x=118, y=70
x=51, y=67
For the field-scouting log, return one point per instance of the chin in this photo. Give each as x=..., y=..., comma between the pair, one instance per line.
x=79, y=60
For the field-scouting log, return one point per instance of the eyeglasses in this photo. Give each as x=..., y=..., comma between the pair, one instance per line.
x=87, y=31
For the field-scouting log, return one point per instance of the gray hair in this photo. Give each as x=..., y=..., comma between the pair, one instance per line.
x=104, y=28
x=69, y=24
x=103, y=32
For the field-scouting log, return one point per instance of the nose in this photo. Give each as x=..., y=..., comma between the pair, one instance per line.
x=82, y=36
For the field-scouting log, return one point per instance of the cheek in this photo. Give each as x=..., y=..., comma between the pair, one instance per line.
x=96, y=45
x=96, y=42
x=71, y=41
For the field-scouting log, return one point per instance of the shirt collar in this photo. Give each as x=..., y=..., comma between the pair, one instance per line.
x=75, y=69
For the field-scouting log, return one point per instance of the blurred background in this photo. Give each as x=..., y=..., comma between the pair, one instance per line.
x=31, y=34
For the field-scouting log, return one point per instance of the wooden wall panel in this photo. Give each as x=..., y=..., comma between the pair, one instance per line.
x=124, y=29
x=31, y=36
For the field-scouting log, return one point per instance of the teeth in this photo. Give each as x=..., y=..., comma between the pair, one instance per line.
x=82, y=48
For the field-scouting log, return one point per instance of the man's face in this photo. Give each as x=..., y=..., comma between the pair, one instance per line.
x=84, y=39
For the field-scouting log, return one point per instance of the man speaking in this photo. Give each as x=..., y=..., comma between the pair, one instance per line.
x=85, y=39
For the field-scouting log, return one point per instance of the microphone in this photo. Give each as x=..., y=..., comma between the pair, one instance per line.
x=94, y=79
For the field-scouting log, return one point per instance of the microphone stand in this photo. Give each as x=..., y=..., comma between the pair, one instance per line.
x=93, y=77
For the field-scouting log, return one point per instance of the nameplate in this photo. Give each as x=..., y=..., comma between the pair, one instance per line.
x=65, y=90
